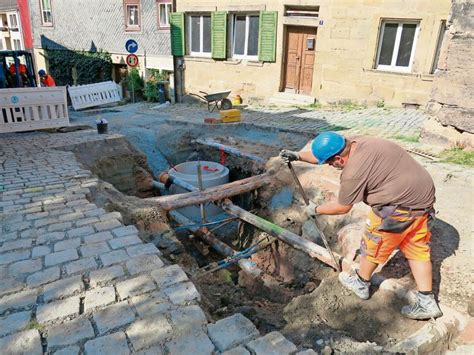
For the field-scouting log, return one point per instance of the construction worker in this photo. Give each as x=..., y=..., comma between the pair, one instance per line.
x=46, y=79
x=401, y=193
x=22, y=73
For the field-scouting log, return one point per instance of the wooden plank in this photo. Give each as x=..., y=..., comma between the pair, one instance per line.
x=216, y=193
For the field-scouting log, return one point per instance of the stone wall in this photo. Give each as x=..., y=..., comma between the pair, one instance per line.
x=346, y=48
x=452, y=97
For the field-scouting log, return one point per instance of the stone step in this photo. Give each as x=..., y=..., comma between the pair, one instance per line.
x=286, y=98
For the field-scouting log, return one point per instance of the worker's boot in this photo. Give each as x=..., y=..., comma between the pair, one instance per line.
x=355, y=284
x=425, y=307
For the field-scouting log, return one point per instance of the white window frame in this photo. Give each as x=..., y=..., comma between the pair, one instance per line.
x=3, y=45
x=50, y=10
x=128, y=25
x=168, y=10
x=9, y=20
x=247, y=26
x=393, y=66
x=201, y=32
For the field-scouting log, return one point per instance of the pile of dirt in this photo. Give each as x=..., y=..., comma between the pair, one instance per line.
x=377, y=319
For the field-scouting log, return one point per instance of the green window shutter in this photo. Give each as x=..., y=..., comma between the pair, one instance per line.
x=177, y=33
x=267, y=36
x=219, y=34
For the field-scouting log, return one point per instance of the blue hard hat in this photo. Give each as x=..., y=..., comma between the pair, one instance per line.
x=42, y=72
x=326, y=145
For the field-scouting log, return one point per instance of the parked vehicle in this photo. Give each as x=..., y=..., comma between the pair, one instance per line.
x=16, y=70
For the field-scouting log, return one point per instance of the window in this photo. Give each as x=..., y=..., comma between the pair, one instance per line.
x=2, y=46
x=164, y=10
x=132, y=15
x=16, y=44
x=442, y=31
x=200, y=35
x=245, y=36
x=13, y=21
x=397, y=44
x=46, y=14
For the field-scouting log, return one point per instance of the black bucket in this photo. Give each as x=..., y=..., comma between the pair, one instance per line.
x=102, y=128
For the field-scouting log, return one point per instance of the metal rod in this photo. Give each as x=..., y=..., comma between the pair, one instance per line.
x=246, y=265
x=312, y=249
x=315, y=221
x=297, y=181
x=201, y=206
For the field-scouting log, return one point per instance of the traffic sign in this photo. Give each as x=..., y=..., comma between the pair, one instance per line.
x=132, y=60
x=131, y=46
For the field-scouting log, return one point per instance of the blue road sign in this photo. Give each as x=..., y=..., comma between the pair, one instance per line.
x=131, y=46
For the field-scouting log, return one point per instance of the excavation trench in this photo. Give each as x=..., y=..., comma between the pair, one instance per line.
x=293, y=293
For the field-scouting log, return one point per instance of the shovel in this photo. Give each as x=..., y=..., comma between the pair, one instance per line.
x=306, y=201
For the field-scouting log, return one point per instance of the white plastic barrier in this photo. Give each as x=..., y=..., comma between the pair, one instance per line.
x=83, y=96
x=26, y=109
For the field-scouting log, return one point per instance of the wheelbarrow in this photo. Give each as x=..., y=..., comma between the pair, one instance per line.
x=215, y=100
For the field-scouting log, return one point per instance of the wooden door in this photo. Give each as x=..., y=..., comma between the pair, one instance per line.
x=299, y=61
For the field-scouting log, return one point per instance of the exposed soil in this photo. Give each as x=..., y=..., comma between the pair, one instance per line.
x=377, y=319
x=300, y=296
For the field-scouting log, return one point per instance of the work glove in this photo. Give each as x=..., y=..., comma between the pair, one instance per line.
x=310, y=210
x=288, y=156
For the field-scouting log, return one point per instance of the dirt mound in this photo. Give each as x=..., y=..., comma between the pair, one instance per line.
x=377, y=320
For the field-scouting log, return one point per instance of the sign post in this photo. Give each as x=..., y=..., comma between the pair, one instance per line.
x=131, y=47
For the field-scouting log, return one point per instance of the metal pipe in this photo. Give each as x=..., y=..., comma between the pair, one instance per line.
x=201, y=206
x=246, y=265
x=312, y=249
x=157, y=185
x=230, y=150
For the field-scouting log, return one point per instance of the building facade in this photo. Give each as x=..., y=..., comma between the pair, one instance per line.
x=11, y=29
x=366, y=52
x=104, y=25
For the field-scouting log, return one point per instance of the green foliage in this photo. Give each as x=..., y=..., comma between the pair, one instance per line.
x=135, y=82
x=151, y=91
x=458, y=155
x=381, y=104
x=90, y=67
x=35, y=325
x=347, y=105
x=405, y=138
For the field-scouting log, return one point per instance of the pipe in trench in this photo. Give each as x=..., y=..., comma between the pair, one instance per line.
x=246, y=265
x=228, y=149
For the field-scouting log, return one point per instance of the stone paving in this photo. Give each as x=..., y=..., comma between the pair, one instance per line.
x=76, y=280
x=383, y=122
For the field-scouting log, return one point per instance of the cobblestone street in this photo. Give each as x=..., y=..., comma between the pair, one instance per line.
x=76, y=280
x=383, y=122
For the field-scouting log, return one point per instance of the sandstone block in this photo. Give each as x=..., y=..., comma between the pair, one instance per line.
x=143, y=263
x=149, y=331
x=114, y=317
x=134, y=287
x=27, y=342
x=43, y=277
x=14, y=323
x=115, y=343
x=182, y=293
x=196, y=342
x=60, y=257
x=151, y=303
x=106, y=274
x=232, y=331
x=169, y=275
x=99, y=297
x=58, y=309
x=272, y=343
x=18, y=300
x=63, y=288
x=113, y=257
x=70, y=332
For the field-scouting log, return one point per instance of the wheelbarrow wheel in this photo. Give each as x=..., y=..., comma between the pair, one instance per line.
x=226, y=104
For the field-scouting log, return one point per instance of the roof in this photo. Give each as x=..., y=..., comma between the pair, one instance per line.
x=6, y=5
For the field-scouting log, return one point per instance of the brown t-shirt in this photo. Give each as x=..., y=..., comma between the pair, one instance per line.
x=381, y=173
